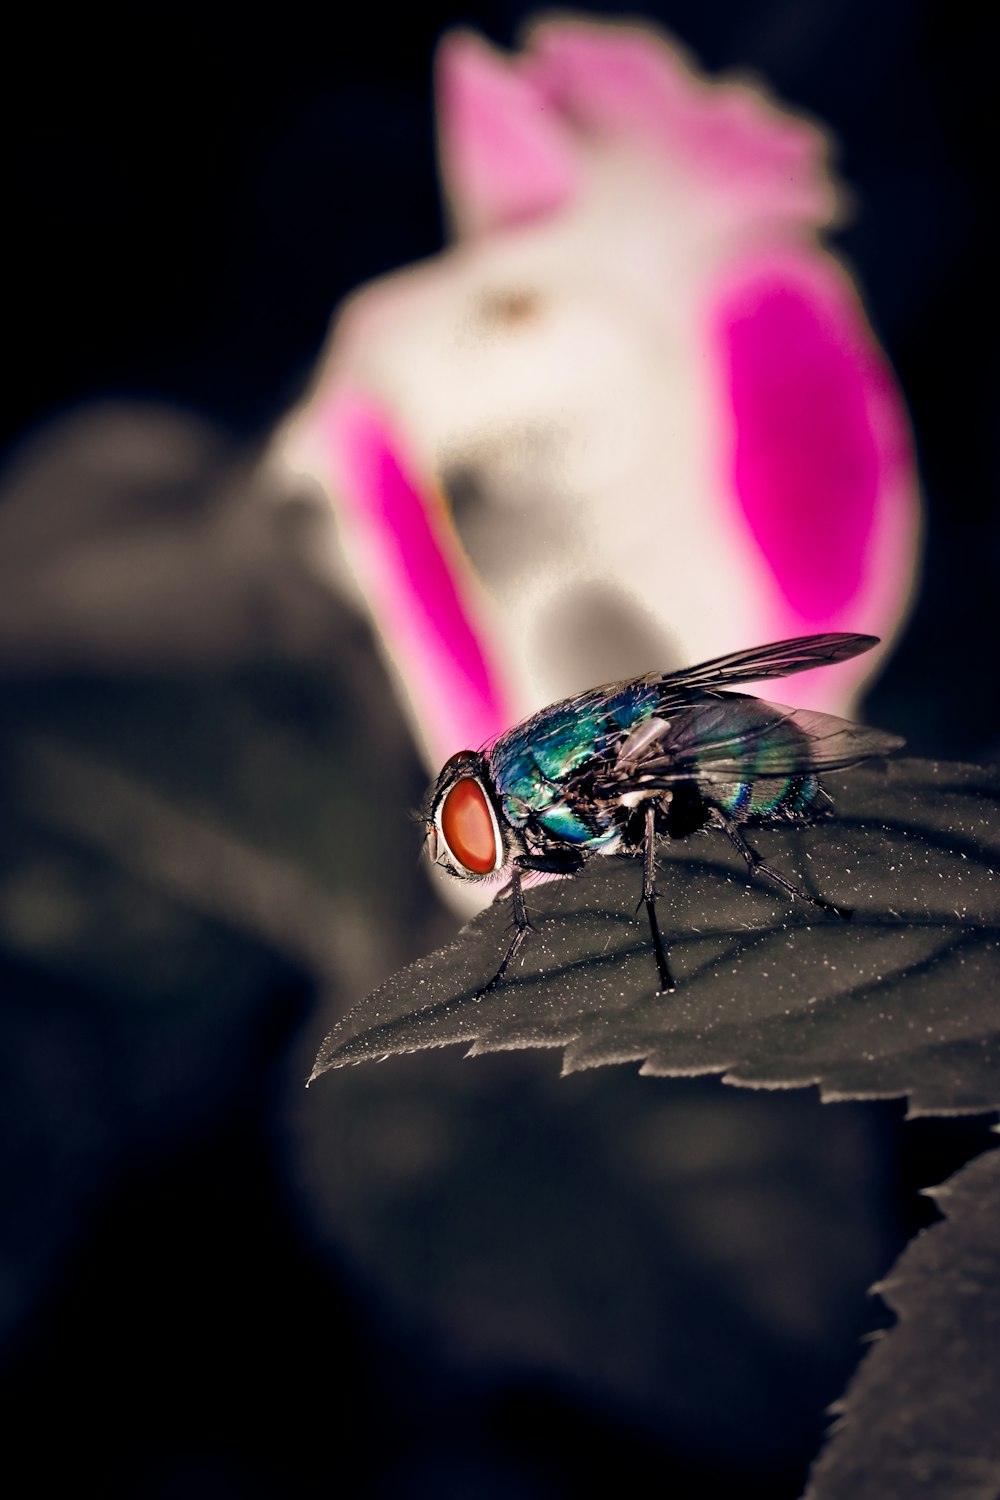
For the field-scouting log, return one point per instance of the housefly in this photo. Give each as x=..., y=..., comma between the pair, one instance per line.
x=610, y=770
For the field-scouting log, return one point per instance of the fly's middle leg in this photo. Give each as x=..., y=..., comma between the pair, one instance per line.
x=649, y=898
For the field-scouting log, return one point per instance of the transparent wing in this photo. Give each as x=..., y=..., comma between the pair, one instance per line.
x=780, y=659
x=734, y=738
x=583, y=720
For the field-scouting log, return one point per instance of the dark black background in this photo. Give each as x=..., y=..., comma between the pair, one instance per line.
x=190, y=191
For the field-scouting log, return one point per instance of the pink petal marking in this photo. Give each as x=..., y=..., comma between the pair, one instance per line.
x=505, y=157
x=820, y=445
x=415, y=577
x=630, y=81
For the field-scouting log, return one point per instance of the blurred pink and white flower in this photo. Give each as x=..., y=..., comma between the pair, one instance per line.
x=635, y=416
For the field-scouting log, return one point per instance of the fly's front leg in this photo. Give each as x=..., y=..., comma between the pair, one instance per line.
x=757, y=866
x=649, y=898
x=522, y=927
x=555, y=862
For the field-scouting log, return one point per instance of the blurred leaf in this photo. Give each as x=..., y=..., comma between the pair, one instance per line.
x=188, y=863
x=920, y=1416
x=898, y=1001
x=603, y=1234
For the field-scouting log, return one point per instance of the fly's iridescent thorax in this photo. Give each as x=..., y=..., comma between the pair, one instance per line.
x=465, y=829
x=541, y=768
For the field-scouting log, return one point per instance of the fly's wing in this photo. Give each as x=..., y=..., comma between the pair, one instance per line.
x=636, y=698
x=733, y=738
x=557, y=740
x=780, y=659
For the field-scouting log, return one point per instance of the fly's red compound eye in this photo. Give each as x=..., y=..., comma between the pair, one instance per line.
x=468, y=827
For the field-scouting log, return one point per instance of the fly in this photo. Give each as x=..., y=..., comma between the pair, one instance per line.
x=610, y=770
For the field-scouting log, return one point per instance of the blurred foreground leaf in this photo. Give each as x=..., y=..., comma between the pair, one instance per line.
x=920, y=1416
x=899, y=1001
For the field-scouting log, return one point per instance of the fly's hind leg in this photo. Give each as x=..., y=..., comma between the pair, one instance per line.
x=649, y=898
x=757, y=866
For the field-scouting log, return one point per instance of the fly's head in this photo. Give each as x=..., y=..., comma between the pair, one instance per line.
x=466, y=831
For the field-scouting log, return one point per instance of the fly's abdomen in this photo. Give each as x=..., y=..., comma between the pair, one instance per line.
x=770, y=799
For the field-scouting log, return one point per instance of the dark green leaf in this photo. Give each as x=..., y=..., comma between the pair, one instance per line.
x=901, y=1000
x=920, y=1416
